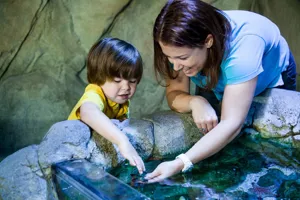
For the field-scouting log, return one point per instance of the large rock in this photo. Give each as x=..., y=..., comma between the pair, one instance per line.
x=21, y=176
x=15, y=15
x=65, y=140
x=173, y=133
x=277, y=115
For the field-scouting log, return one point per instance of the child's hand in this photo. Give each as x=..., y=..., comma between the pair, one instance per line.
x=132, y=156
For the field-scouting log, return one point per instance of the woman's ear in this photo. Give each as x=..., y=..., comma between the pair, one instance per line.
x=209, y=41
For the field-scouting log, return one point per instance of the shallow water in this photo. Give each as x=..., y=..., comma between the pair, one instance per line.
x=248, y=168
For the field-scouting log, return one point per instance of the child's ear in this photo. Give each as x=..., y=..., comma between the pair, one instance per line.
x=209, y=41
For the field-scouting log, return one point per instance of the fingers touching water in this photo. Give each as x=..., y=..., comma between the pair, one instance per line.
x=138, y=162
x=129, y=153
x=164, y=170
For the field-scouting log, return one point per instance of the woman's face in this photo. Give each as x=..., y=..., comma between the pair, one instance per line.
x=189, y=60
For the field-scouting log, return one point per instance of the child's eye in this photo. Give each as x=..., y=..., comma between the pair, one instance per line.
x=133, y=81
x=183, y=58
x=117, y=80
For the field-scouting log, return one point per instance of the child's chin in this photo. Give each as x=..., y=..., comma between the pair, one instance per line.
x=121, y=101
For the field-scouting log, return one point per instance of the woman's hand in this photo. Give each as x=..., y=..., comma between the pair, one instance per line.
x=165, y=170
x=129, y=153
x=204, y=115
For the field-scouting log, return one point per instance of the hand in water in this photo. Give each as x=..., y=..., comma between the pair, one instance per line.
x=164, y=170
x=138, y=180
x=128, y=152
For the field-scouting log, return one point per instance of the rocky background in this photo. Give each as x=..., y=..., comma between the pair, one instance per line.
x=43, y=45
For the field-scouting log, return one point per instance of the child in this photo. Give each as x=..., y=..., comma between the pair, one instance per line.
x=114, y=68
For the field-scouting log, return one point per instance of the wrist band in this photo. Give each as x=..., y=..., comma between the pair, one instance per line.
x=186, y=161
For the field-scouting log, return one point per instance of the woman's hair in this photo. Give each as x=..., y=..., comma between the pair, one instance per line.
x=187, y=23
x=110, y=58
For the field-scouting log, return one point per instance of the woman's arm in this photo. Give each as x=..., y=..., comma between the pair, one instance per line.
x=236, y=103
x=178, y=94
x=98, y=121
x=180, y=100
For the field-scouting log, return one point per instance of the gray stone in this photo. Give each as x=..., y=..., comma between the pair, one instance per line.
x=65, y=140
x=141, y=135
x=277, y=113
x=173, y=132
x=21, y=177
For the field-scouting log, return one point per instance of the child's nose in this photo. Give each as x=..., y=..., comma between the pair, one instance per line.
x=125, y=85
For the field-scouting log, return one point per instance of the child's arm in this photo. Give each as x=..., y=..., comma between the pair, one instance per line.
x=98, y=121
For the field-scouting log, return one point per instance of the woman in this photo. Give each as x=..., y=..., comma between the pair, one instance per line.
x=235, y=54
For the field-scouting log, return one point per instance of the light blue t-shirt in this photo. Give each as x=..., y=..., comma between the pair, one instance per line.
x=256, y=48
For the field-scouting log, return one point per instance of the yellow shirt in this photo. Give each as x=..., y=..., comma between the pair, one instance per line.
x=93, y=93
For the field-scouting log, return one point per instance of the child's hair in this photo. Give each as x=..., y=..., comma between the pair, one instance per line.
x=110, y=58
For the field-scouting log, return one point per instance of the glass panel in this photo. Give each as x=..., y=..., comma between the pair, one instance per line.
x=80, y=179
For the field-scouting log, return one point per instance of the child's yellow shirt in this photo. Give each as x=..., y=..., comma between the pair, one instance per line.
x=93, y=93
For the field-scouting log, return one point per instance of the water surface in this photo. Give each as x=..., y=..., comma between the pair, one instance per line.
x=248, y=168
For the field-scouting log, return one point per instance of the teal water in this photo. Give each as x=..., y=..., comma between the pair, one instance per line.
x=248, y=168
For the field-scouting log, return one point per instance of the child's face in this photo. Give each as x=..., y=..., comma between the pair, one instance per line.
x=119, y=90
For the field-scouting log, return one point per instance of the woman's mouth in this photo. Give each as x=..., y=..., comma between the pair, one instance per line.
x=187, y=70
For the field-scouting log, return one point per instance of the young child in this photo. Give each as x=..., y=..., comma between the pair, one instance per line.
x=114, y=68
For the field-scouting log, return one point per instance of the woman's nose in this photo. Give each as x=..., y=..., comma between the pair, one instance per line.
x=177, y=66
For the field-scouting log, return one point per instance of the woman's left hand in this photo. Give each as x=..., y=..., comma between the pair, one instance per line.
x=165, y=170
x=204, y=115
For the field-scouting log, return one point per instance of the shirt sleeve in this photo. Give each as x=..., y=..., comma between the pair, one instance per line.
x=93, y=97
x=244, y=61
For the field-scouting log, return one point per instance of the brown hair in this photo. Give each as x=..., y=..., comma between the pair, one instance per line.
x=112, y=57
x=187, y=23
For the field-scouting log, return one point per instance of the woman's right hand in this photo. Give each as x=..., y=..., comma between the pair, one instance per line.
x=204, y=115
x=129, y=153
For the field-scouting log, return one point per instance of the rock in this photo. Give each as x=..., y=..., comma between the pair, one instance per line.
x=173, y=133
x=277, y=114
x=65, y=140
x=21, y=176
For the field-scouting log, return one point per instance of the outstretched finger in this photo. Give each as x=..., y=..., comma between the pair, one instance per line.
x=156, y=179
x=139, y=164
x=131, y=161
x=152, y=175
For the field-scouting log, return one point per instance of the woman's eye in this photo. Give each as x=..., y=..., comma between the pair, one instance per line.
x=183, y=58
x=117, y=80
x=133, y=81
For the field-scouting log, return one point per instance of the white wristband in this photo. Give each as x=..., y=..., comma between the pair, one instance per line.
x=186, y=161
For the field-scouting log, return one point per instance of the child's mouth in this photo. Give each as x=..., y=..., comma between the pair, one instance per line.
x=124, y=96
